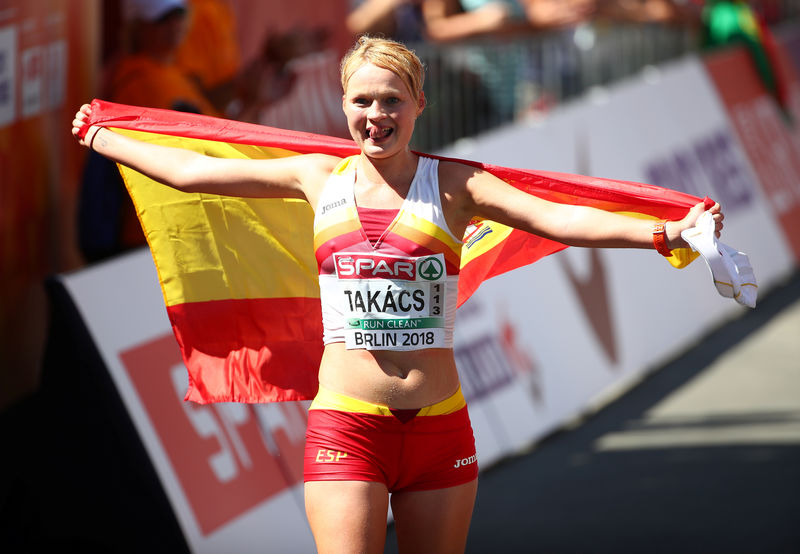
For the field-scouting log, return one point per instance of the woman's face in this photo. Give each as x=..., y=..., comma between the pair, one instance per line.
x=380, y=111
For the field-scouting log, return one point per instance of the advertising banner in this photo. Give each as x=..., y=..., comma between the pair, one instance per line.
x=232, y=472
x=46, y=71
x=769, y=136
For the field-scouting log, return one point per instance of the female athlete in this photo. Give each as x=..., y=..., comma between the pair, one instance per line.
x=389, y=416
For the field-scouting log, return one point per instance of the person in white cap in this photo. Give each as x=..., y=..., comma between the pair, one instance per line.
x=143, y=75
x=146, y=74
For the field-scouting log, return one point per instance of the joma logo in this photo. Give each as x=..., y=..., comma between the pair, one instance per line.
x=466, y=461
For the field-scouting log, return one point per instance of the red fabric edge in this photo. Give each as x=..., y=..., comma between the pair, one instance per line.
x=250, y=350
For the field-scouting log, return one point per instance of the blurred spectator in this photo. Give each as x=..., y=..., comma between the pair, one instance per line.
x=447, y=20
x=450, y=20
x=181, y=55
x=501, y=70
x=210, y=56
x=397, y=19
x=280, y=50
x=144, y=74
x=650, y=11
x=544, y=15
x=209, y=52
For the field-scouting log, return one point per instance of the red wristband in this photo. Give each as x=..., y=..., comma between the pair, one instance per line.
x=660, y=238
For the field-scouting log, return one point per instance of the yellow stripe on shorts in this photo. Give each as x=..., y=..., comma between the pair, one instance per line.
x=329, y=400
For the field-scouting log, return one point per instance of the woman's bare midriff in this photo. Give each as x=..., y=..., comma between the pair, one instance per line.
x=401, y=380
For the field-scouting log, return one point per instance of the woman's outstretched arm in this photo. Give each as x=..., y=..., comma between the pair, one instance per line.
x=292, y=177
x=484, y=195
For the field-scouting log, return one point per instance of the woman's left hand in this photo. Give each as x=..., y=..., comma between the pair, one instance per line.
x=674, y=228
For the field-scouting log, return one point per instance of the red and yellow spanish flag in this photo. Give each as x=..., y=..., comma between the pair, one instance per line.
x=239, y=276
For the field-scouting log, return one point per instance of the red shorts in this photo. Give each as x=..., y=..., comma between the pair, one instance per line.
x=424, y=452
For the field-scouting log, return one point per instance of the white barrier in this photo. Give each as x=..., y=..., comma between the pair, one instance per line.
x=233, y=473
x=592, y=321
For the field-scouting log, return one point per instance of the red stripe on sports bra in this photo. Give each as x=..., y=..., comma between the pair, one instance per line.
x=375, y=221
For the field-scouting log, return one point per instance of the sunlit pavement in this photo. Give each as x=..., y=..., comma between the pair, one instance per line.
x=703, y=456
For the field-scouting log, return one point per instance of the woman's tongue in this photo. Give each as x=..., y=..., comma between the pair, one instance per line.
x=378, y=133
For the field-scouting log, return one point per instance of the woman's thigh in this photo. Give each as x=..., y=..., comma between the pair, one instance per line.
x=434, y=520
x=347, y=516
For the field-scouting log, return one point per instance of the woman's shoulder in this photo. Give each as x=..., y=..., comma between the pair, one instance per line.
x=318, y=167
x=324, y=161
x=456, y=173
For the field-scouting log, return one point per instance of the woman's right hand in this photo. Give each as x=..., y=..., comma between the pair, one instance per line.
x=81, y=130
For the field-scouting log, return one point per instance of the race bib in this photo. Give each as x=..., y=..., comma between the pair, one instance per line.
x=392, y=302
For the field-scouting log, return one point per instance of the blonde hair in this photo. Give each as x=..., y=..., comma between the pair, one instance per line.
x=388, y=54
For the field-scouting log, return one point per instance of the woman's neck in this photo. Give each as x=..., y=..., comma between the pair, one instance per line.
x=383, y=182
x=396, y=171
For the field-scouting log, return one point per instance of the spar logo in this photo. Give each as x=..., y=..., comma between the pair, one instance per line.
x=398, y=268
x=372, y=266
x=430, y=268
